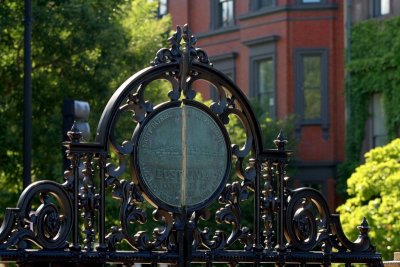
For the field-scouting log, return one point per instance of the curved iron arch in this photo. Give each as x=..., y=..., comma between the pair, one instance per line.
x=151, y=73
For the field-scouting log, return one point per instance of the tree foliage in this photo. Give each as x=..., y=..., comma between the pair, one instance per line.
x=374, y=190
x=81, y=49
x=374, y=67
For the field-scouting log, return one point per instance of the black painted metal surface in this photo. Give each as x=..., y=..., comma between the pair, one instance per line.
x=66, y=223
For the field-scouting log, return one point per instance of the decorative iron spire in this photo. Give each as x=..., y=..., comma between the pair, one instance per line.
x=364, y=227
x=175, y=52
x=280, y=141
x=75, y=135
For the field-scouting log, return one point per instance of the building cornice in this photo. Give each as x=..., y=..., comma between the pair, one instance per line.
x=261, y=40
x=287, y=8
x=225, y=56
x=218, y=31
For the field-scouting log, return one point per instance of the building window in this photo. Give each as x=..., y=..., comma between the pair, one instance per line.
x=312, y=86
x=262, y=74
x=255, y=5
x=311, y=1
x=380, y=7
x=222, y=13
x=162, y=8
x=265, y=3
x=379, y=132
x=311, y=93
x=225, y=13
x=375, y=129
x=226, y=64
x=265, y=85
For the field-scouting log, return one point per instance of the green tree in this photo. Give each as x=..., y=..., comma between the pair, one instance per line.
x=81, y=49
x=374, y=193
x=374, y=67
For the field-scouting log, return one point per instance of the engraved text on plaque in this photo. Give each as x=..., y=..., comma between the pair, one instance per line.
x=182, y=156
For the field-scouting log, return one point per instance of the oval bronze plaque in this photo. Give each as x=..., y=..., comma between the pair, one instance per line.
x=182, y=157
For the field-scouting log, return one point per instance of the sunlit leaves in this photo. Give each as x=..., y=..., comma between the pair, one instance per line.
x=374, y=190
x=81, y=49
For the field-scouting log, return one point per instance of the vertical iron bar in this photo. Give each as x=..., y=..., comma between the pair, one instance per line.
x=75, y=136
x=101, y=222
x=280, y=143
x=257, y=240
x=281, y=205
x=27, y=128
x=269, y=194
x=281, y=176
x=181, y=242
x=189, y=227
x=88, y=195
x=75, y=169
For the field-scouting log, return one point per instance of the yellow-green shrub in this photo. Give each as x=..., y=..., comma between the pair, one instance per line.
x=374, y=193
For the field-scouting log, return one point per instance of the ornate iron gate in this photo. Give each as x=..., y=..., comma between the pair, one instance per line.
x=180, y=159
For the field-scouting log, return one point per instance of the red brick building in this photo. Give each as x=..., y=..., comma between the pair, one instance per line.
x=289, y=53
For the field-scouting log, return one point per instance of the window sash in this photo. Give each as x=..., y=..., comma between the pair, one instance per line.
x=265, y=3
x=265, y=86
x=312, y=86
x=385, y=7
x=311, y=1
x=162, y=8
x=380, y=7
x=225, y=13
x=379, y=131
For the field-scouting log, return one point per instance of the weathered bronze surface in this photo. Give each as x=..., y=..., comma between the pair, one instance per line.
x=182, y=156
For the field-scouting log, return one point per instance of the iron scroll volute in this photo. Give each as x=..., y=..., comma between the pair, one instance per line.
x=51, y=221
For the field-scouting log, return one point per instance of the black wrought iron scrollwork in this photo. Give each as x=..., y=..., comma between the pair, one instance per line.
x=182, y=81
x=48, y=225
x=310, y=225
x=268, y=205
x=88, y=202
x=174, y=54
x=160, y=235
x=231, y=197
x=288, y=226
x=165, y=55
x=339, y=240
x=237, y=191
x=130, y=195
x=307, y=219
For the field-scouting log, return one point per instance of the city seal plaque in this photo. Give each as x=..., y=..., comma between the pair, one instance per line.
x=182, y=157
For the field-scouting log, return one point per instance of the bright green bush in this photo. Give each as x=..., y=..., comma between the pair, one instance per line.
x=374, y=193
